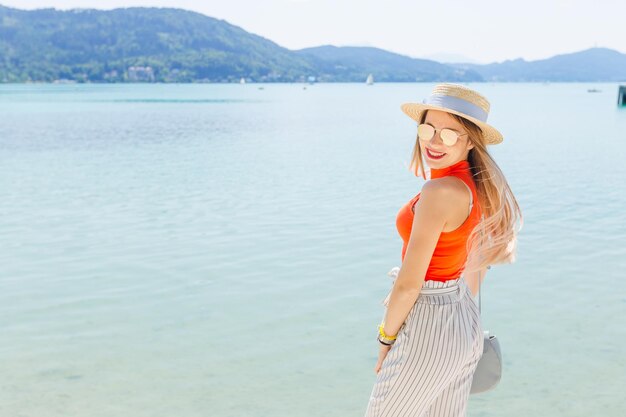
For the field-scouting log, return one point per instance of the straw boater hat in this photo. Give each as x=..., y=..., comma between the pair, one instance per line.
x=459, y=100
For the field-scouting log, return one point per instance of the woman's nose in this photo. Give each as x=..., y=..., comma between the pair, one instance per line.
x=436, y=139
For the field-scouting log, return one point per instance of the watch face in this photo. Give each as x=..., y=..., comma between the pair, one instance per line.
x=384, y=341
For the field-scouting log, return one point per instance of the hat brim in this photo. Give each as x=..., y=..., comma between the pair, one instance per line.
x=491, y=135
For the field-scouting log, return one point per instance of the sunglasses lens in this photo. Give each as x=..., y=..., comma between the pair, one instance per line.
x=425, y=132
x=449, y=137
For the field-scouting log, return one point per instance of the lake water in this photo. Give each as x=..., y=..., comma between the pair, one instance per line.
x=221, y=250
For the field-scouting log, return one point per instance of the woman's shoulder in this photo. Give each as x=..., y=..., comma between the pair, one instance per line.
x=442, y=195
x=448, y=187
x=448, y=194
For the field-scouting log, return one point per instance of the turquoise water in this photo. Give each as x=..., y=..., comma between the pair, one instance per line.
x=221, y=250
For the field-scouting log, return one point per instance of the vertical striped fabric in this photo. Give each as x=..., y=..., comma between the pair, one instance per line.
x=428, y=370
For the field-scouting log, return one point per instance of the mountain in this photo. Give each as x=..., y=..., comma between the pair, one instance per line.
x=98, y=45
x=450, y=58
x=347, y=62
x=344, y=63
x=594, y=64
x=175, y=45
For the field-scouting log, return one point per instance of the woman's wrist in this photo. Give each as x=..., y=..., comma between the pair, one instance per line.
x=383, y=337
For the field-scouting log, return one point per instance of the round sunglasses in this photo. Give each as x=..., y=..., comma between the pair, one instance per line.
x=448, y=136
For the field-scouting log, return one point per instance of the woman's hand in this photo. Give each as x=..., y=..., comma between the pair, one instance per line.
x=382, y=354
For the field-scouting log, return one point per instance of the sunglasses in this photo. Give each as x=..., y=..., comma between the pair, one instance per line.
x=448, y=136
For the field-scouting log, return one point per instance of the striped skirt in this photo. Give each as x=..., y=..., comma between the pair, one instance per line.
x=428, y=370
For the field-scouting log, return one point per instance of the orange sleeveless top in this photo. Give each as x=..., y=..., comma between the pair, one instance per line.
x=448, y=260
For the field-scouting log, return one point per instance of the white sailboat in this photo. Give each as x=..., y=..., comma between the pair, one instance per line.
x=370, y=80
x=242, y=80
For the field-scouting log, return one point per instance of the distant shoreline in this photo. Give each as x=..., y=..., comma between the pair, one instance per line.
x=303, y=83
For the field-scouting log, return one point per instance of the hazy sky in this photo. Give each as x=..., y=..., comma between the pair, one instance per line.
x=481, y=30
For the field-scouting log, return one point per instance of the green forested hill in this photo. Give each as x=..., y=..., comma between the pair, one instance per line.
x=97, y=45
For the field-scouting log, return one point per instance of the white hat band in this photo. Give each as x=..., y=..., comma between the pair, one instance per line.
x=457, y=104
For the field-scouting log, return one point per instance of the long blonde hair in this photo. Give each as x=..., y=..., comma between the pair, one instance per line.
x=494, y=239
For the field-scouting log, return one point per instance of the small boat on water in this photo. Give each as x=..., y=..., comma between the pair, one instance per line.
x=242, y=80
x=593, y=90
x=370, y=80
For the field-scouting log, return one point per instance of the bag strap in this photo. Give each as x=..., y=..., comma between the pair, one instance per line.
x=482, y=232
x=479, y=311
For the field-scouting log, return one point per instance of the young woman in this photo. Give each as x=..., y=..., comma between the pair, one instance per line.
x=463, y=220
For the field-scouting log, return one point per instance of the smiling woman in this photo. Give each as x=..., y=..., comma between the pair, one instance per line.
x=431, y=337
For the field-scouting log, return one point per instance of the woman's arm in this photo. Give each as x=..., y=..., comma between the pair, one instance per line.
x=431, y=213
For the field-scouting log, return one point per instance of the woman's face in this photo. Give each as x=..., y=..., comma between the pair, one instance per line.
x=452, y=154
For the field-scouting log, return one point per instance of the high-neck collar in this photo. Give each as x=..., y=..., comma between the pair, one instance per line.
x=460, y=166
